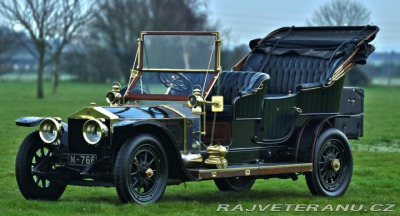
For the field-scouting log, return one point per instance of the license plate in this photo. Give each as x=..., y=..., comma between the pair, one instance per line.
x=80, y=159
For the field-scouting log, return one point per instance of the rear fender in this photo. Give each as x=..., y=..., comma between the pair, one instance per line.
x=307, y=138
x=125, y=130
x=310, y=132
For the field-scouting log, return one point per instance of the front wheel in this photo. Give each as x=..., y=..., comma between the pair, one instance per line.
x=332, y=165
x=237, y=184
x=141, y=170
x=33, y=153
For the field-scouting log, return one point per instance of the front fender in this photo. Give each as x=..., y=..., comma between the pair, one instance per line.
x=135, y=127
x=32, y=121
x=29, y=121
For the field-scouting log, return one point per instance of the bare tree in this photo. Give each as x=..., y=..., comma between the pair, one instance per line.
x=116, y=27
x=119, y=22
x=341, y=13
x=7, y=46
x=344, y=13
x=51, y=24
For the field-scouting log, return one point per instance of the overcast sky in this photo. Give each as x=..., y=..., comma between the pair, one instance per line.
x=249, y=19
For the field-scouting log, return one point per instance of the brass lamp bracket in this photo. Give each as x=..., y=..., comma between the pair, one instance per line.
x=195, y=101
x=198, y=104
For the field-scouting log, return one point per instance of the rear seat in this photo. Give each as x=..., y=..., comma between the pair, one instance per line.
x=291, y=72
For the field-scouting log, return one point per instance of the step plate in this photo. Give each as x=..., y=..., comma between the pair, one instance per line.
x=250, y=170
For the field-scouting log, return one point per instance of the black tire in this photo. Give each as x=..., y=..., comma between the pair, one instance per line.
x=328, y=178
x=236, y=184
x=31, y=152
x=134, y=159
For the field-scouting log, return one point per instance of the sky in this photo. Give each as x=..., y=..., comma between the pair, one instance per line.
x=249, y=19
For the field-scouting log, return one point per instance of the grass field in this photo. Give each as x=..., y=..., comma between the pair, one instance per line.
x=376, y=176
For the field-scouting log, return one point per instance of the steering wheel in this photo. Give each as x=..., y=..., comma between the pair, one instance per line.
x=176, y=81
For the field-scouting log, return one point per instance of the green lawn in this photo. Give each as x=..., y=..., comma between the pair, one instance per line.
x=375, y=181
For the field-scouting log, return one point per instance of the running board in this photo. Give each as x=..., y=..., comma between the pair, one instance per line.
x=250, y=170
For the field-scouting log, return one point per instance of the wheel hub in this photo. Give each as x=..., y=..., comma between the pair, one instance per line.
x=145, y=170
x=149, y=172
x=335, y=165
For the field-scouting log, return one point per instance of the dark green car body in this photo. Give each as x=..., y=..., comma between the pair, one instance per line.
x=285, y=112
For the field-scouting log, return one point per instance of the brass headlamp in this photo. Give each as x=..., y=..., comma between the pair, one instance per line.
x=94, y=130
x=50, y=130
x=114, y=96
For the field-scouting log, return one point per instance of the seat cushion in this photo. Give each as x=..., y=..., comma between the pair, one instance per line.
x=289, y=71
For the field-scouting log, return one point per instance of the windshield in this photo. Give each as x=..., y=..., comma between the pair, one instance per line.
x=178, y=51
x=170, y=65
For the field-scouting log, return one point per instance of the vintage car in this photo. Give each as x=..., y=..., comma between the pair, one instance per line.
x=282, y=111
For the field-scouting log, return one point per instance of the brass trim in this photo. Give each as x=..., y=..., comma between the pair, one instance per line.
x=178, y=70
x=194, y=33
x=202, y=174
x=217, y=56
x=192, y=159
x=140, y=52
x=107, y=113
x=87, y=113
x=184, y=125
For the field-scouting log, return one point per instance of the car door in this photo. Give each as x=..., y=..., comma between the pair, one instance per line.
x=278, y=119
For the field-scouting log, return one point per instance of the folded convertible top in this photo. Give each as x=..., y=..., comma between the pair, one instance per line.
x=322, y=36
x=323, y=42
x=352, y=42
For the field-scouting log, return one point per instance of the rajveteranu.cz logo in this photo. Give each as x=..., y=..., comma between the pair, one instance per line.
x=306, y=207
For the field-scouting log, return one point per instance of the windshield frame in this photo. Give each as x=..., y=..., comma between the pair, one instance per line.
x=136, y=73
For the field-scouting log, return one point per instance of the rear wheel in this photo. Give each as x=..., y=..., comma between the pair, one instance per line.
x=237, y=184
x=332, y=165
x=141, y=170
x=33, y=185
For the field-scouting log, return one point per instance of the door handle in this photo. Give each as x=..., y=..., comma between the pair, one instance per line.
x=297, y=109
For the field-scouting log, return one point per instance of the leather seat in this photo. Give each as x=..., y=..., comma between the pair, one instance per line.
x=292, y=71
x=234, y=84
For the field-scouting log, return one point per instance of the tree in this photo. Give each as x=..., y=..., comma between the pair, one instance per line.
x=7, y=46
x=357, y=77
x=50, y=24
x=90, y=63
x=341, y=13
x=118, y=23
x=116, y=26
x=230, y=56
x=344, y=13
